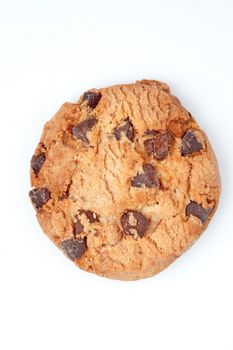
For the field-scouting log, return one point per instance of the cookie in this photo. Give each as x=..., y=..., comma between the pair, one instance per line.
x=124, y=180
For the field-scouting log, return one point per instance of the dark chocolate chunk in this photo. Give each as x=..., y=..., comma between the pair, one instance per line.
x=91, y=216
x=197, y=210
x=92, y=98
x=39, y=196
x=146, y=178
x=190, y=144
x=126, y=128
x=78, y=227
x=133, y=222
x=37, y=162
x=160, y=145
x=74, y=248
x=80, y=130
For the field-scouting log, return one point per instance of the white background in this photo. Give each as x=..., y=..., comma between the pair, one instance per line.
x=52, y=51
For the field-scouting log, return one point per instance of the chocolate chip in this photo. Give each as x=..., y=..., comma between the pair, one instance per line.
x=74, y=248
x=92, y=98
x=133, y=222
x=39, y=196
x=126, y=128
x=159, y=146
x=91, y=216
x=37, y=162
x=80, y=130
x=197, y=210
x=190, y=144
x=78, y=227
x=150, y=132
x=146, y=178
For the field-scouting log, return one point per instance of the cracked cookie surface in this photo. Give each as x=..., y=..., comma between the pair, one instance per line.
x=124, y=180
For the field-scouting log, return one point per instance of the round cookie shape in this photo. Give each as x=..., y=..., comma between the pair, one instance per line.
x=124, y=180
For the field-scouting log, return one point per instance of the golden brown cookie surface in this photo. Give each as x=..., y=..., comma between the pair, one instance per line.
x=124, y=180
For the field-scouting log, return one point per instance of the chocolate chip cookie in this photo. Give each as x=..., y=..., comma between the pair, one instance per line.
x=124, y=180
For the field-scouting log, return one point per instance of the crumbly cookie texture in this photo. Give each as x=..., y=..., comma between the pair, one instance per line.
x=124, y=180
